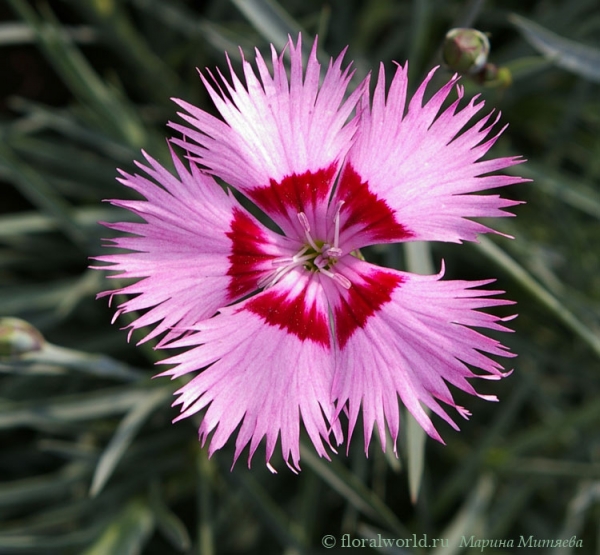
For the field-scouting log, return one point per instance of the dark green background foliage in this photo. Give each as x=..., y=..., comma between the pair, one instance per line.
x=90, y=462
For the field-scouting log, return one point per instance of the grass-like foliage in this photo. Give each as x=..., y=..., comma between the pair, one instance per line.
x=89, y=460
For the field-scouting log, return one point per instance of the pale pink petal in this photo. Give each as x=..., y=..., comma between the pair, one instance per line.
x=417, y=167
x=281, y=140
x=197, y=250
x=270, y=367
x=408, y=336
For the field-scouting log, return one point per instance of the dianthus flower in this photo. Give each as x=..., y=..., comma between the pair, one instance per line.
x=290, y=327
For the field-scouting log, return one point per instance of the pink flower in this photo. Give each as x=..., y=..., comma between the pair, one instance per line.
x=290, y=326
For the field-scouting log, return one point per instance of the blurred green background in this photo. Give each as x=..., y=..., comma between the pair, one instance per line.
x=89, y=460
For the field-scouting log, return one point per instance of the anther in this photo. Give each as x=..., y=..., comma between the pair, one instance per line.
x=311, y=256
x=336, y=237
x=342, y=280
x=304, y=221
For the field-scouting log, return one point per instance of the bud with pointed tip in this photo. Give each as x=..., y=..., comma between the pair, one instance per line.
x=466, y=50
x=18, y=337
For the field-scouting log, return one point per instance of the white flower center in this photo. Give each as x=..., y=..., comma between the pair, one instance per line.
x=315, y=255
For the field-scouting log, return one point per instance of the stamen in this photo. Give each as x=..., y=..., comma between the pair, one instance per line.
x=336, y=236
x=304, y=221
x=287, y=259
x=342, y=280
x=282, y=261
x=300, y=253
x=272, y=279
x=315, y=258
x=284, y=267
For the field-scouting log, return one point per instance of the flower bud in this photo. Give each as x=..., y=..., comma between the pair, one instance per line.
x=18, y=337
x=465, y=50
x=499, y=77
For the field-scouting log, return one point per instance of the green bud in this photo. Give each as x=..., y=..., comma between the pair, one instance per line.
x=465, y=50
x=104, y=8
x=18, y=337
x=498, y=77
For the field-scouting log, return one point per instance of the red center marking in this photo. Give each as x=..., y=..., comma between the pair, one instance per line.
x=361, y=302
x=247, y=257
x=365, y=209
x=296, y=316
x=296, y=192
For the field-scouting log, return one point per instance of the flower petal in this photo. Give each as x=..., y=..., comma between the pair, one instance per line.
x=268, y=371
x=410, y=346
x=197, y=251
x=420, y=167
x=282, y=140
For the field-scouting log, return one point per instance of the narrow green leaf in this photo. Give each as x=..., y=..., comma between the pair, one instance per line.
x=55, y=360
x=553, y=304
x=42, y=488
x=353, y=490
x=106, y=106
x=56, y=159
x=124, y=434
x=553, y=467
x=46, y=516
x=48, y=544
x=155, y=77
x=127, y=533
x=169, y=524
x=469, y=517
x=70, y=408
x=35, y=187
x=567, y=54
x=273, y=516
x=418, y=259
x=70, y=450
x=86, y=218
x=16, y=33
x=419, y=35
x=21, y=33
x=527, y=67
x=271, y=21
x=469, y=13
x=69, y=123
x=19, y=299
x=579, y=510
x=460, y=479
x=185, y=22
x=415, y=447
x=311, y=500
x=568, y=189
x=374, y=534
x=205, y=474
x=582, y=420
